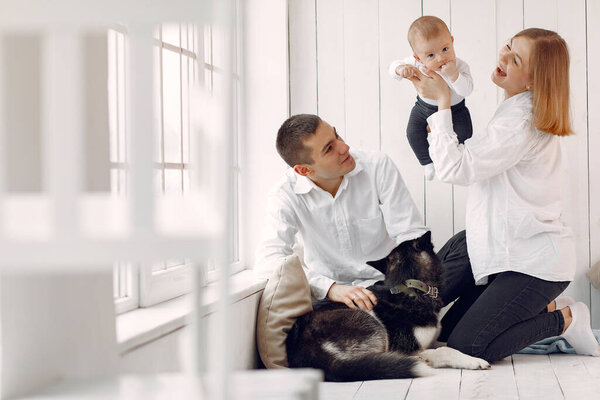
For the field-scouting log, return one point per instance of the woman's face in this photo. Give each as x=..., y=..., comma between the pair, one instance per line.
x=512, y=73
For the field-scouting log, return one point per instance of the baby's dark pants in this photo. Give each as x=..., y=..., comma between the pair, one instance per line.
x=416, y=131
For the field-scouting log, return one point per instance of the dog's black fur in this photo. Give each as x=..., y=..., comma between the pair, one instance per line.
x=352, y=344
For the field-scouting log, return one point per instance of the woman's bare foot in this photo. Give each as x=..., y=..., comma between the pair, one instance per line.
x=560, y=302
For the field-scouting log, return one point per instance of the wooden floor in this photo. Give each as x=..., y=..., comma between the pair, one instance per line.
x=540, y=377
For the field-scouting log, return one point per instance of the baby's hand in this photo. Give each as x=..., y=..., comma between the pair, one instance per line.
x=449, y=70
x=406, y=71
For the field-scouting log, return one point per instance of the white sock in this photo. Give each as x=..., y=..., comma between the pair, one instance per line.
x=429, y=171
x=563, y=301
x=579, y=333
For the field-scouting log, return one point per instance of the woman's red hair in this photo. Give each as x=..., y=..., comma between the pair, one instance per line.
x=549, y=67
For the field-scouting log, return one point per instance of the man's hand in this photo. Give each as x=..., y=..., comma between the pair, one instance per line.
x=405, y=71
x=449, y=71
x=352, y=296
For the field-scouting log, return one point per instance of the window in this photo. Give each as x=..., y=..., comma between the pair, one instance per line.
x=214, y=76
x=185, y=55
x=126, y=288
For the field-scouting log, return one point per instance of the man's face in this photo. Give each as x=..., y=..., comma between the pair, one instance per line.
x=330, y=154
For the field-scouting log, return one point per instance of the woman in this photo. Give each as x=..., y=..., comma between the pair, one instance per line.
x=522, y=255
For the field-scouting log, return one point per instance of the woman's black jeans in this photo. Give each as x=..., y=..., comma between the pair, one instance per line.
x=500, y=318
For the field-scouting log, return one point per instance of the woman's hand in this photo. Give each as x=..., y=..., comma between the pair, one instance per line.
x=352, y=296
x=432, y=87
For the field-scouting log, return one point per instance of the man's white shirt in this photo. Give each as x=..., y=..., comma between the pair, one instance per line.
x=371, y=213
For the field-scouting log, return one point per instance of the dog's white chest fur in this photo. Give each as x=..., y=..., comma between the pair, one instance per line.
x=426, y=335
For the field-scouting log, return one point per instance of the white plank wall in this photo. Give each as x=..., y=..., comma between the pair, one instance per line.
x=331, y=91
x=361, y=73
x=439, y=206
x=477, y=50
x=571, y=24
x=303, y=60
x=397, y=97
x=593, y=96
x=339, y=54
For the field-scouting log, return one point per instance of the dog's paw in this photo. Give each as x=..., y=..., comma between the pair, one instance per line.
x=474, y=363
x=446, y=357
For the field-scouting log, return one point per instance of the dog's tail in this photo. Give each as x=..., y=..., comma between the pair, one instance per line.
x=370, y=366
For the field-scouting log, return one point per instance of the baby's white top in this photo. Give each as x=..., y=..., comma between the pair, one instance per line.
x=461, y=88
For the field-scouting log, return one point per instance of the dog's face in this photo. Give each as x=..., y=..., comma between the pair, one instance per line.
x=412, y=259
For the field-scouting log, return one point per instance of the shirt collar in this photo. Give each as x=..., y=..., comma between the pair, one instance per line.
x=304, y=185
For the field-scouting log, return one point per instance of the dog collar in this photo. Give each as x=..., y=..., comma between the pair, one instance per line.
x=410, y=285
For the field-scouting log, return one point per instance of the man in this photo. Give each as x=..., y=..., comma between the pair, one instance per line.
x=347, y=207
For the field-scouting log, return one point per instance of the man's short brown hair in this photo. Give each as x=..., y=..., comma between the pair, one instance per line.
x=290, y=136
x=426, y=27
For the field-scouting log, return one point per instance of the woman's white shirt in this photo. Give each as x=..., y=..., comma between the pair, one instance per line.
x=514, y=204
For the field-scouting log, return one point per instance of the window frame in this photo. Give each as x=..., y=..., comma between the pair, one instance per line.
x=125, y=275
x=131, y=300
x=147, y=286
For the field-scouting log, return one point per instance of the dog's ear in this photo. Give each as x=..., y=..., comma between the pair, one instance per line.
x=424, y=242
x=380, y=265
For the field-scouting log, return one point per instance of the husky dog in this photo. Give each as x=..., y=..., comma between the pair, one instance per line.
x=389, y=342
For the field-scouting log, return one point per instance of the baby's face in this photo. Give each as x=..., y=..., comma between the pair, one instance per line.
x=436, y=51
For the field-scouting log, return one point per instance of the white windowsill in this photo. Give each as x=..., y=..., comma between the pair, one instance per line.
x=143, y=325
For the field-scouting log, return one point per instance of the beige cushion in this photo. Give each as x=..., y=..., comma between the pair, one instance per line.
x=285, y=298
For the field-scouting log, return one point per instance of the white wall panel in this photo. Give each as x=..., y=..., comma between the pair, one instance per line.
x=330, y=71
x=303, y=56
x=593, y=107
x=438, y=8
x=540, y=14
x=479, y=51
x=397, y=98
x=571, y=25
x=439, y=207
x=361, y=73
x=265, y=104
x=509, y=21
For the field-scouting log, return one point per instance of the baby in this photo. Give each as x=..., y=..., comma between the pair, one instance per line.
x=433, y=47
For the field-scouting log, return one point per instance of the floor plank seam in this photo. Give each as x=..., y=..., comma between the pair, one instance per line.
x=408, y=390
x=460, y=384
x=358, y=390
x=560, y=386
x=512, y=363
